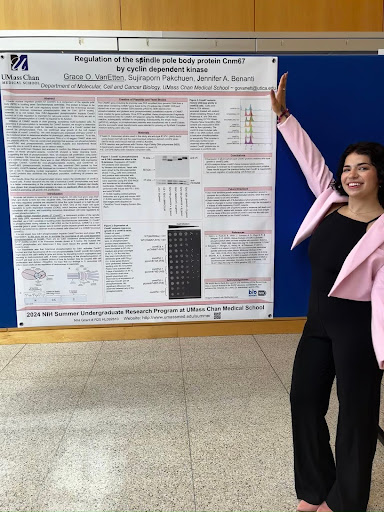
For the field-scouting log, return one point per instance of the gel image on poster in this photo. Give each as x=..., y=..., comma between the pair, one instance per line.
x=184, y=263
x=172, y=170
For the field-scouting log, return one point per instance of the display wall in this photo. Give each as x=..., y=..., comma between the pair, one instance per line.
x=321, y=91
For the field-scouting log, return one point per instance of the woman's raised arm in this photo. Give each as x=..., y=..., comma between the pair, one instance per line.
x=278, y=99
x=310, y=159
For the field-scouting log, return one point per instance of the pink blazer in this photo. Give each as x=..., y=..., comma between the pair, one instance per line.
x=362, y=274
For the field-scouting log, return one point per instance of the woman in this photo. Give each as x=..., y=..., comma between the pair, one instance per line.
x=345, y=324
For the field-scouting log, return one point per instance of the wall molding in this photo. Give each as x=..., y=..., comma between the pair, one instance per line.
x=143, y=331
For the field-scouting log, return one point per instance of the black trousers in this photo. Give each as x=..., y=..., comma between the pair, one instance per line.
x=336, y=342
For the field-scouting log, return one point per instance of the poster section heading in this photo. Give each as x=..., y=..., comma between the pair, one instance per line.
x=141, y=188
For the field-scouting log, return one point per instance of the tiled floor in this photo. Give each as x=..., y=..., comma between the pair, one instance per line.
x=190, y=424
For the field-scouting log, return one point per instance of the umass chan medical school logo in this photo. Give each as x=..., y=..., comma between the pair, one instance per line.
x=19, y=62
x=19, y=75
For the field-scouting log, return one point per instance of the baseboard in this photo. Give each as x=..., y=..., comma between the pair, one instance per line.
x=141, y=331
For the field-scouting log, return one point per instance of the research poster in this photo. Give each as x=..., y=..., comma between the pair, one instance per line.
x=141, y=187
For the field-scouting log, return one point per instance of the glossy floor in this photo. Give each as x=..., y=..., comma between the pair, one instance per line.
x=189, y=424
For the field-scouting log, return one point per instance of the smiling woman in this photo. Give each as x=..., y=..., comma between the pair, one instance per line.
x=345, y=324
x=360, y=175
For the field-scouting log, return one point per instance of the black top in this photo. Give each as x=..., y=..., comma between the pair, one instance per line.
x=330, y=244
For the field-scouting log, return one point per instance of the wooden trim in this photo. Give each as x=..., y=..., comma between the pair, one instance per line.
x=60, y=15
x=142, y=331
x=188, y=15
x=318, y=15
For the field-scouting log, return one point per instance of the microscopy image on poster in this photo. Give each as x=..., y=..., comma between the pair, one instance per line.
x=141, y=187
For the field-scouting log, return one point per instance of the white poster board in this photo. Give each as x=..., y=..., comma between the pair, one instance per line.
x=141, y=187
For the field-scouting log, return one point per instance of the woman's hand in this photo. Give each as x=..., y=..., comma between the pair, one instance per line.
x=278, y=98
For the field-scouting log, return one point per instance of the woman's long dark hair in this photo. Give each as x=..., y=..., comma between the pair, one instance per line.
x=375, y=151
